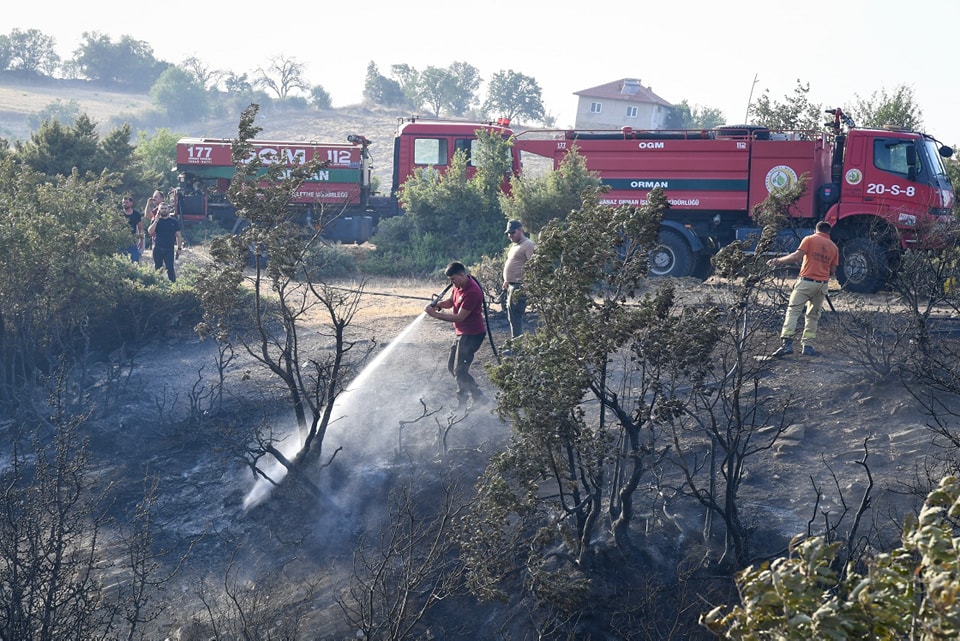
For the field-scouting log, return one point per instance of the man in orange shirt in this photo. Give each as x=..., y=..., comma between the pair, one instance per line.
x=820, y=258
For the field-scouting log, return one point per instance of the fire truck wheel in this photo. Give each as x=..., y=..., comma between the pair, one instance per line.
x=863, y=266
x=671, y=257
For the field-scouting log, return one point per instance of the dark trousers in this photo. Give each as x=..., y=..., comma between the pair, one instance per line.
x=516, y=308
x=461, y=356
x=164, y=256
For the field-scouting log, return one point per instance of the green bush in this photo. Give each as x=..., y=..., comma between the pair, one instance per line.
x=137, y=303
x=330, y=261
x=909, y=593
x=449, y=216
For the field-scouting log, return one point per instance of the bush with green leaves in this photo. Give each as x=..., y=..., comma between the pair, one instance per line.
x=449, y=216
x=912, y=592
x=538, y=200
x=66, y=283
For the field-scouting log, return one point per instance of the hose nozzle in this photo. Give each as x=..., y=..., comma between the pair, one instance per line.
x=436, y=298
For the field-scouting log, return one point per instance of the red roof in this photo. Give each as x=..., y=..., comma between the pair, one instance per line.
x=625, y=89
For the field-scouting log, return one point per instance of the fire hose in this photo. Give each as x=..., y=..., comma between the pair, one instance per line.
x=436, y=298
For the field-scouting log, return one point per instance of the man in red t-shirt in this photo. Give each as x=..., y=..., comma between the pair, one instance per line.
x=820, y=258
x=466, y=314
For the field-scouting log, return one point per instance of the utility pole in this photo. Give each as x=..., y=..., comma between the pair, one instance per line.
x=746, y=116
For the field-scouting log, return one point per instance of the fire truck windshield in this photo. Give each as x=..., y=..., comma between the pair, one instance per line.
x=931, y=158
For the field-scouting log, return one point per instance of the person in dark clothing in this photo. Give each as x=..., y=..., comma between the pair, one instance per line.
x=135, y=219
x=167, y=240
x=466, y=314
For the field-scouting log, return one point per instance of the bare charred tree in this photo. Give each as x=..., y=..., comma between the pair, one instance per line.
x=264, y=309
x=401, y=577
x=731, y=421
x=240, y=608
x=928, y=287
x=61, y=575
x=282, y=76
x=905, y=334
x=207, y=78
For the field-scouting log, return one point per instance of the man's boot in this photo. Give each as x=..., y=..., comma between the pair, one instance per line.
x=785, y=349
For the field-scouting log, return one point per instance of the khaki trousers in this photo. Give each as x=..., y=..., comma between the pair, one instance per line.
x=809, y=294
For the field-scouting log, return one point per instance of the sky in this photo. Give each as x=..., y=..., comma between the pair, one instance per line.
x=711, y=54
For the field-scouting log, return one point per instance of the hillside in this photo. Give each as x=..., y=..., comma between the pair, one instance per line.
x=18, y=102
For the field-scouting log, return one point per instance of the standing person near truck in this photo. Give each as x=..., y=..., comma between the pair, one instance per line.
x=167, y=241
x=135, y=219
x=819, y=258
x=513, y=271
x=151, y=207
x=466, y=313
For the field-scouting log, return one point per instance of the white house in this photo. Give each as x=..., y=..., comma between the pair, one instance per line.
x=621, y=103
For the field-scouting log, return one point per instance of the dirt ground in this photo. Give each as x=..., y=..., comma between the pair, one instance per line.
x=205, y=496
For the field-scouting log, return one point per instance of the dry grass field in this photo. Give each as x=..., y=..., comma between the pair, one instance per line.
x=19, y=102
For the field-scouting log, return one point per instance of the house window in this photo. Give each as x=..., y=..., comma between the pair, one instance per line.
x=595, y=107
x=631, y=112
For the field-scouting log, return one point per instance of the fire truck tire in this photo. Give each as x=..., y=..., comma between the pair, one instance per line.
x=671, y=257
x=863, y=266
x=703, y=267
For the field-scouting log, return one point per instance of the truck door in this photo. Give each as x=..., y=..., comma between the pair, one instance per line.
x=891, y=180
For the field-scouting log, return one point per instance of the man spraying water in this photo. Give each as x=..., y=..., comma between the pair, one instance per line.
x=465, y=307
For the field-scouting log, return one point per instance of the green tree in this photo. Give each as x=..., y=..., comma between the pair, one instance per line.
x=466, y=83
x=179, y=95
x=234, y=83
x=320, y=97
x=952, y=165
x=514, y=95
x=794, y=112
x=5, y=54
x=57, y=149
x=116, y=154
x=696, y=117
x=437, y=87
x=539, y=200
x=408, y=79
x=911, y=592
x=380, y=90
x=157, y=155
x=239, y=92
x=582, y=441
x=33, y=52
x=127, y=62
x=58, y=268
x=67, y=113
x=898, y=109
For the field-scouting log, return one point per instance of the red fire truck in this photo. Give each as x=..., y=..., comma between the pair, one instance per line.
x=883, y=190
x=339, y=197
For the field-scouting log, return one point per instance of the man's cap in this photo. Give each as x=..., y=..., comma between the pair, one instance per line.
x=513, y=225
